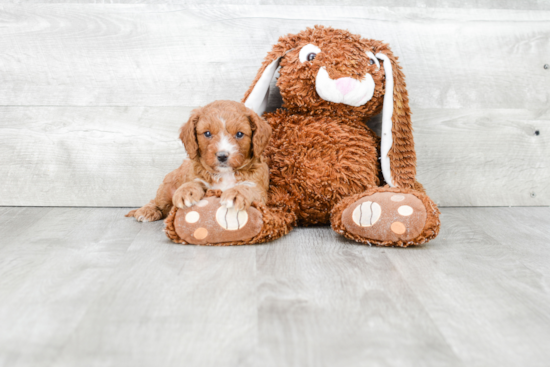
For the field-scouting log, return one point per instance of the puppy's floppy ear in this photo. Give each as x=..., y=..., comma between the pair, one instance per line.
x=261, y=132
x=188, y=134
x=398, y=157
x=257, y=94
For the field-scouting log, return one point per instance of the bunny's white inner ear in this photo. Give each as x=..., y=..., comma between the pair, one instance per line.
x=373, y=58
x=387, y=113
x=257, y=99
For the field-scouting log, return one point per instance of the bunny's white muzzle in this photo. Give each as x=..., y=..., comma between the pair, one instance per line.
x=349, y=91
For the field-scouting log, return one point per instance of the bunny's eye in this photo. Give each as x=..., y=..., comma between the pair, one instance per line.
x=309, y=52
x=373, y=60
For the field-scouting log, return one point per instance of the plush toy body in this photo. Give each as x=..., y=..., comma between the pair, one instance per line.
x=326, y=165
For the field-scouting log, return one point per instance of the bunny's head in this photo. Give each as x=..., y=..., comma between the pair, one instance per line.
x=331, y=72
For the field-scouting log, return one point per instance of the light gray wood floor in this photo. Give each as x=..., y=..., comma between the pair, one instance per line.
x=88, y=287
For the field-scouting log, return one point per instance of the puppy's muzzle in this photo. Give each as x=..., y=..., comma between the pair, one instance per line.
x=222, y=156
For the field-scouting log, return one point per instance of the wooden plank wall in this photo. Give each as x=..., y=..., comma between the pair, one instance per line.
x=92, y=95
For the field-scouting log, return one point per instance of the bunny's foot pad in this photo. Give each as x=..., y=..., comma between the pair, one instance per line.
x=209, y=223
x=386, y=216
x=390, y=218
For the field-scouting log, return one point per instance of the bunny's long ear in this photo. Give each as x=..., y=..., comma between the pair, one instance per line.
x=398, y=158
x=257, y=94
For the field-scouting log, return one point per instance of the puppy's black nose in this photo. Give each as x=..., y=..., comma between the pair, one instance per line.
x=222, y=156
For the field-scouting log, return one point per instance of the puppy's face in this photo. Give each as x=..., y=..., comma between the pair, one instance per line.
x=224, y=141
x=224, y=135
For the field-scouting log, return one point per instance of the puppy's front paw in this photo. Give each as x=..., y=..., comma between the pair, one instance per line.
x=235, y=198
x=147, y=213
x=187, y=195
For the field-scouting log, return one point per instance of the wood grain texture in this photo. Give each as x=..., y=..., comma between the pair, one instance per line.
x=476, y=4
x=87, y=156
x=488, y=274
x=484, y=158
x=117, y=156
x=92, y=95
x=91, y=286
x=173, y=55
x=88, y=287
x=326, y=301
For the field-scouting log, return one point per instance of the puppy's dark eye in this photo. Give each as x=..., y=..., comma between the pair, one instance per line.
x=311, y=56
x=208, y=134
x=239, y=135
x=371, y=61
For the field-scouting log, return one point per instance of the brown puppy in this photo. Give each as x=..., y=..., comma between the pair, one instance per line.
x=224, y=141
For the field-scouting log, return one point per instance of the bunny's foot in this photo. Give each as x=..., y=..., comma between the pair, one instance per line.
x=387, y=217
x=210, y=223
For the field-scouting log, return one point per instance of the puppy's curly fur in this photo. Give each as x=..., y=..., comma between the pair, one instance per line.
x=224, y=141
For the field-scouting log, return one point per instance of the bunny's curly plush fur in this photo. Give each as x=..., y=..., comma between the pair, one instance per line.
x=326, y=165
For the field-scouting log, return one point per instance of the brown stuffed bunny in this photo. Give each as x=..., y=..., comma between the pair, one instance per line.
x=325, y=163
